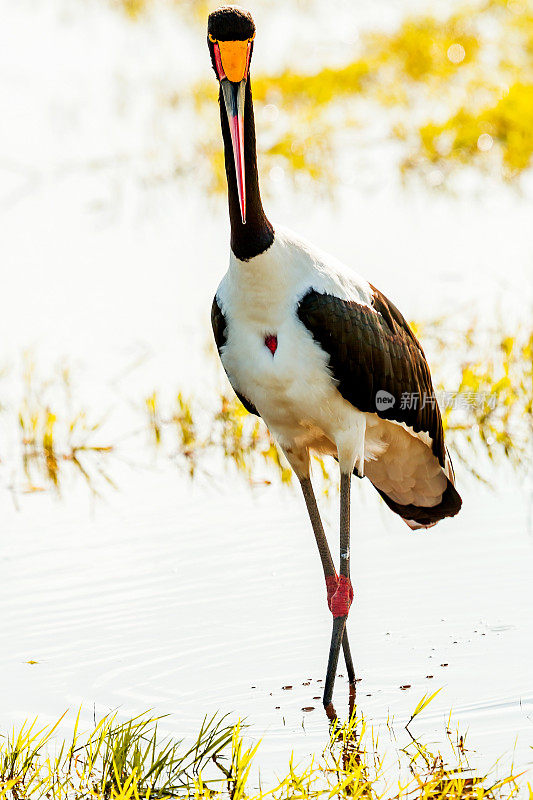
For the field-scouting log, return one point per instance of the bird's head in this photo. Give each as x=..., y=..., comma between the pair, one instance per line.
x=230, y=35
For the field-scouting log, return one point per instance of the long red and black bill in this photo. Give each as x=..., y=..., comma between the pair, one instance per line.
x=232, y=60
x=234, y=94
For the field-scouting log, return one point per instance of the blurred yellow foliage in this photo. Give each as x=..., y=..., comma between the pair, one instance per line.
x=492, y=420
x=495, y=379
x=294, y=89
x=192, y=9
x=475, y=67
x=469, y=136
x=54, y=441
x=425, y=48
x=196, y=435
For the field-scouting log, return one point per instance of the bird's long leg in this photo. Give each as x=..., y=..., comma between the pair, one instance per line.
x=328, y=567
x=339, y=627
x=318, y=528
x=342, y=599
x=345, y=525
x=339, y=588
x=350, y=670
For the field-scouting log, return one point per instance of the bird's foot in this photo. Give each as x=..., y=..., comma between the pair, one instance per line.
x=340, y=595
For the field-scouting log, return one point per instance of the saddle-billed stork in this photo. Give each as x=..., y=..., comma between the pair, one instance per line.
x=320, y=354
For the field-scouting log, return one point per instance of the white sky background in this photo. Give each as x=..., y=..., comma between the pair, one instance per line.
x=100, y=263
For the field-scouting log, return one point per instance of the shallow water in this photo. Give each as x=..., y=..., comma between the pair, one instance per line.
x=189, y=599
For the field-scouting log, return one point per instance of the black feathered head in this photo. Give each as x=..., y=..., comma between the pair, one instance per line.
x=230, y=35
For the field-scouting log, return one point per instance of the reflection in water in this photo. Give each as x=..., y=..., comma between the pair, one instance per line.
x=367, y=766
x=56, y=435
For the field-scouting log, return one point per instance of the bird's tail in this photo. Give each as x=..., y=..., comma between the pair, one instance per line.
x=425, y=517
x=417, y=517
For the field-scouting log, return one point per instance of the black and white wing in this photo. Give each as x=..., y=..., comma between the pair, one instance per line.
x=218, y=323
x=371, y=350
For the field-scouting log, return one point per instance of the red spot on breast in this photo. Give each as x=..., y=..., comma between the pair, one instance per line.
x=272, y=343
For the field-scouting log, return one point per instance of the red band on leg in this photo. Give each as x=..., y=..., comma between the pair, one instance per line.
x=331, y=586
x=342, y=599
